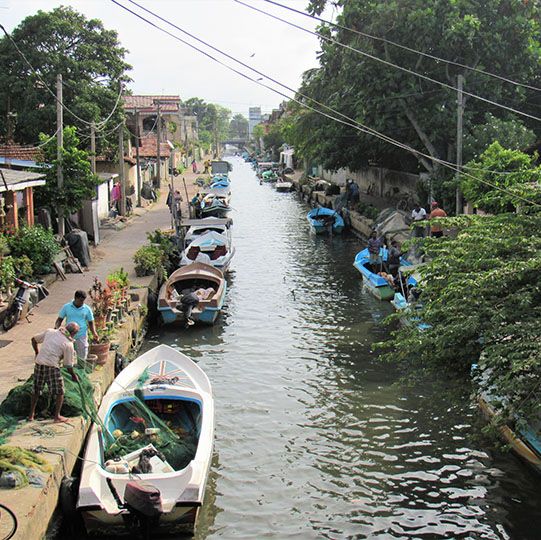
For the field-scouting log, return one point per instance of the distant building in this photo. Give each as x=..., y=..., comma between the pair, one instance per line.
x=254, y=118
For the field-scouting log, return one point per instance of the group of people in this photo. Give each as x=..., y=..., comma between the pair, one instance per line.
x=419, y=214
x=60, y=347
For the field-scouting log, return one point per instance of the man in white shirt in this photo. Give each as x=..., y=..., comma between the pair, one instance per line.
x=56, y=351
x=418, y=214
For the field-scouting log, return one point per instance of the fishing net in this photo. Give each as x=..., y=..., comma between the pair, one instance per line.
x=168, y=426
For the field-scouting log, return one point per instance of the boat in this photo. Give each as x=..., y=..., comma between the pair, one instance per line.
x=207, y=278
x=211, y=248
x=197, y=227
x=220, y=167
x=406, y=301
x=323, y=220
x=283, y=186
x=523, y=438
x=172, y=394
x=269, y=176
x=376, y=284
x=215, y=204
x=220, y=183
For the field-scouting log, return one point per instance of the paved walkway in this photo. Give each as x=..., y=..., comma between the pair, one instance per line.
x=116, y=250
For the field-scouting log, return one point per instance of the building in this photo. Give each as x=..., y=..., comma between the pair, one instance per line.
x=254, y=118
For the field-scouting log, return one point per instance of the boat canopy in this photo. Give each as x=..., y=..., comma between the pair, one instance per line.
x=209, y=239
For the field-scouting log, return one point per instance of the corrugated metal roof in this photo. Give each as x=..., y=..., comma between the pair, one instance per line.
x=17, y=180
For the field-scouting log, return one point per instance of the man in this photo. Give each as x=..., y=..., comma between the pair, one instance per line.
x=418, y=214
x=80, y=313
x=374, y=245
x=188, y=300
x=393, y=258
x=436, y=230
x=56, y=350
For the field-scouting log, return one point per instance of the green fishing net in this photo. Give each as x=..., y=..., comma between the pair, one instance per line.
x=170, y=426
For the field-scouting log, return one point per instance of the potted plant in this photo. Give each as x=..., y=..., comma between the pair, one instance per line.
x=100, y=348
x=102, y=303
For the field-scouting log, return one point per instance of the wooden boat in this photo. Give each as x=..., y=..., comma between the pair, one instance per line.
x=220, y=167
x=215, y=204
x=324, y=220
x=376, y=284
x=176, y=393
x=211, y=248
x=283, y=186
x=197, y=227
x=199, y=275
x=269, y=176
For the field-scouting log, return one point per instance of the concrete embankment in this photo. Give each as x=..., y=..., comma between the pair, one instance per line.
x=61, y=444
x=359, y=223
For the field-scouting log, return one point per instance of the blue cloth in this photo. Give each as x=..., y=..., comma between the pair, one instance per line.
x=82, y=316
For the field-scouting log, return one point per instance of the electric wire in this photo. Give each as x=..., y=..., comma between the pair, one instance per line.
x=355, y=125
x=404, y=47
x=387, y=63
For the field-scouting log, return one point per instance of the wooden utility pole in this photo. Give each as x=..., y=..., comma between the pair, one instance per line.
x=158, y=149
x=459, y=125
x=138, y=164
x=93, y=147
x=59, y=150
x=121, y=170
x=216, y=138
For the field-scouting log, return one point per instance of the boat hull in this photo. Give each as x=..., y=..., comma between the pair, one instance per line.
x=316, y=219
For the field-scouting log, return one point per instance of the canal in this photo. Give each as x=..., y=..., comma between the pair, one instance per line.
x=316, y=438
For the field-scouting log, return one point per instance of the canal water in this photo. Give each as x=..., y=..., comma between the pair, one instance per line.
x=315, y=437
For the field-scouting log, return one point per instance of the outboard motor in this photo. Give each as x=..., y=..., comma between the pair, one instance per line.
x=144, y=501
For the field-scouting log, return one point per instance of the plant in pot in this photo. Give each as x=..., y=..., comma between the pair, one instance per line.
x=100, y=348
x=102, y=303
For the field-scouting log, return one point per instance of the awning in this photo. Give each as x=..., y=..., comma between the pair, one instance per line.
x=12, y=180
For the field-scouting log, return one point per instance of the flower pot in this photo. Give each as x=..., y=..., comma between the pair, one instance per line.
x=101, y=351
x=96, y=360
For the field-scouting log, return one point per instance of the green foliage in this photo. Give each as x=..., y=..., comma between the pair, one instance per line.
x=367, y=210
x=7, y=273
x=24, y=267
x=79, y=182
x=495, y=192
x=238, y=127
x=36, y=243
x=482, y=299
x=150, y=260
x=119, y=277
x=211, y=118
x=88, y=56
x=501, y=37
x=4, y=245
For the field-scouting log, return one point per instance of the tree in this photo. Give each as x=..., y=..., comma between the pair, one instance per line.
x=62, y=41
x=212, y=120
x=502, y=180
x=481, y=297
x=79, y=182
x=238, y=127
x=502, y=37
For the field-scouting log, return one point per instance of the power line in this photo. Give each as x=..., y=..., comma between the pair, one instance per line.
x=355, y=125
x=386, y=62
x=406, y=48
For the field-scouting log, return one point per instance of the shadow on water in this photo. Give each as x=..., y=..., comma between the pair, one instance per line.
x=315, y=437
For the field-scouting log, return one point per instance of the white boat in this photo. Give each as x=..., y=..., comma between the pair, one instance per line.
x=197, y=227
x=282, y=185
x=210, y=248
x=114, y=500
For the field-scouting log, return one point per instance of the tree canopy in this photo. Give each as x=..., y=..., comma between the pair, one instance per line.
x=212, y=119
x=499, y=36
x=238, y=127
x=481, y=296
x=62, y=41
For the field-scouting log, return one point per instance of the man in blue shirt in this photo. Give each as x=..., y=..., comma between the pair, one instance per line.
x=80, y=313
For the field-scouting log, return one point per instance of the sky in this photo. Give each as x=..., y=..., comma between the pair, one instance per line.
x=162, y=65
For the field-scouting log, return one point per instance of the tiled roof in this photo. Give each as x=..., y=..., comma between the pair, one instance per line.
x=24, y=153
x=146, y=103
x=149, y=146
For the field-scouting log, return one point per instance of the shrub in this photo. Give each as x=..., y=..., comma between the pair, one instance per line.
x=7, y=273
x=38, y=244
x=148, y=260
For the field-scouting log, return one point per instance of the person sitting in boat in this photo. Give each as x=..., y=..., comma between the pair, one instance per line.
x=374, y=246
x=393, y=258
x=188, y=300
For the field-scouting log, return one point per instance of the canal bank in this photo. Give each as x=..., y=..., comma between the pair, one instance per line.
x=60, y=444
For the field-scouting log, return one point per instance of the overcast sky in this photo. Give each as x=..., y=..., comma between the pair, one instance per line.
x=162, y=65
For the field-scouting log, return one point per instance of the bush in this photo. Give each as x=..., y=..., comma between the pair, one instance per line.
x=7, y=273
x=38, y=244
x=148, y=260
x=367, y=210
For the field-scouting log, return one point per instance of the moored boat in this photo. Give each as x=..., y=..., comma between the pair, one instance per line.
x=269, y=176
x=206, y=280
x=376, y=284
x=283, y=186
x=323, y=220
x=198, y=227
x=161, y=396
x=215, y=204
x=211, y=248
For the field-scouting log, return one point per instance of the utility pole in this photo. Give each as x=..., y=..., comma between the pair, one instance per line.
x=93, y=147
x=59, y=150
x=216, y=138
x=158, y=149
x=138, y=164
x=121, y=169
x=459, y=125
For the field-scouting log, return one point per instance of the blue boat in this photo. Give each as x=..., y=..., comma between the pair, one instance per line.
x=377, y=285
x=222, y=183
x=207, y=279
x=323, y=219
